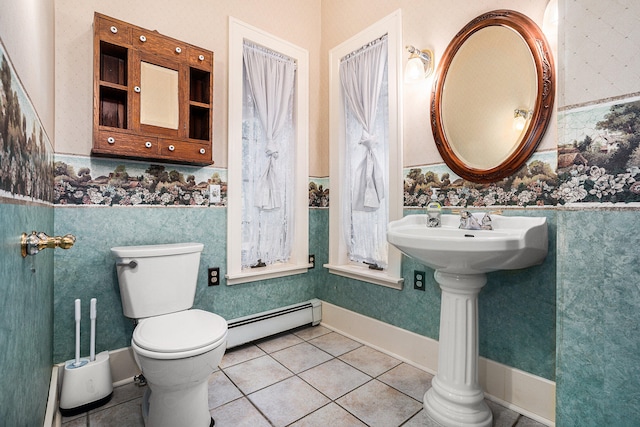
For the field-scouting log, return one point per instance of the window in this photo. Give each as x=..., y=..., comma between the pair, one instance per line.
x=366, y=153
x=267, y=213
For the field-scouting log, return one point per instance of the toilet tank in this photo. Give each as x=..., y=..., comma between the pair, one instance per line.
x=161, y=279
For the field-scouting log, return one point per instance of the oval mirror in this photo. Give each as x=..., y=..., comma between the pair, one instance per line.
x=493, y=95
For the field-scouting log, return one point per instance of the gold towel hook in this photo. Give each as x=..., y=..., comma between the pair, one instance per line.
x=33, y=243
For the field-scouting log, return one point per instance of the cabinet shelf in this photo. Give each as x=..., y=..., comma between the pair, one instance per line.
x=199, y=123
x=136, y=72
x=113, y=86
x=199, y=87
x=113, y=107
x=199, y=104
x=113, y=63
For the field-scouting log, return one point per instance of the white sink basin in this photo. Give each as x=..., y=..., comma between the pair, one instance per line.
x=515, y=242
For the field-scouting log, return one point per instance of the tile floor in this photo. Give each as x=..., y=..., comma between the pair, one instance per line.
x=307, y=377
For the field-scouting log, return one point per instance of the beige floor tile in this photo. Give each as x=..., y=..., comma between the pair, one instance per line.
x=221, y=390
x=279, y=342
x=128, y=414
x=78, y=421
x=421, y=419
x=379, y=405
x=329, y=415
x=122, y=394
x=394, y=398
x=238, y=413
x=257, y=373
x=312, y=332
x=335, y=344
x=301, y=357
x=527, y=422
x=288, y=401
x=409, y=380
x=502, y=417
x=370, y=361
x=335, y=378
x=240, y=354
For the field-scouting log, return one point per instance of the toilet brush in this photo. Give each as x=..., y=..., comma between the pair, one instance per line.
x=86, y=383
x=92, y=317
x=78, y=315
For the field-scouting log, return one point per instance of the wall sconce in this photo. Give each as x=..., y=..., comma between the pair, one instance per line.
x=520, y=118
x=419, y=66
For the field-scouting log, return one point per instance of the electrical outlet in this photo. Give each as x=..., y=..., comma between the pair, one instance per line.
x=214, y=193
x=312, y=261
x=418, y=280
x=214, y=276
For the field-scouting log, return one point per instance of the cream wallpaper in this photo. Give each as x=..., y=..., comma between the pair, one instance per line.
x=596, y=70
x=427, y=24
x=316, y=25
x=202, y=23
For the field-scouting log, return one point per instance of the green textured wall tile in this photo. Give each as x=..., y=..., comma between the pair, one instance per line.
x=598, y=318
x=26, y=316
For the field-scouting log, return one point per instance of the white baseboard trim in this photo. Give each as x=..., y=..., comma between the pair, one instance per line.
x=50, y=418
x=520, y=391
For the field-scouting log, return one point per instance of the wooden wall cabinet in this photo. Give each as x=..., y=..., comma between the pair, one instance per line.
x=152, y=95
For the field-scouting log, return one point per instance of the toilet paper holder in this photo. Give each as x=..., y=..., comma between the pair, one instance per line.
x=33, y=243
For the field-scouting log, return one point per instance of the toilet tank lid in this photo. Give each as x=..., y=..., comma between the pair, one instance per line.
x=156, y=250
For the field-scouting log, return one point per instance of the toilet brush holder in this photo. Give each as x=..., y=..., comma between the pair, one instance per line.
x=86, y=384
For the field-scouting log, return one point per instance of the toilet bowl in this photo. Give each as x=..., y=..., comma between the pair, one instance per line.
x=176, y=347
x=177, y=353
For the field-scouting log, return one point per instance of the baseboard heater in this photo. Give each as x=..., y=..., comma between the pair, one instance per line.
x=256, y=326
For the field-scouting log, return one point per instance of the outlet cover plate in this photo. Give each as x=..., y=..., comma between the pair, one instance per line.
x=213, y=278
x=214, y=193
x=418, y=280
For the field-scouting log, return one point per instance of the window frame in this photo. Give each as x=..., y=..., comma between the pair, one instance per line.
x=299, y=260
x=339, y=262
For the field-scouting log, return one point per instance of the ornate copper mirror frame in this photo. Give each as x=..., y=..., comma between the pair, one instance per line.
x=541, y=113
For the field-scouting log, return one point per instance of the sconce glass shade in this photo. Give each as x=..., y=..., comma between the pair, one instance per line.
x=419, y=66
x=414, y=71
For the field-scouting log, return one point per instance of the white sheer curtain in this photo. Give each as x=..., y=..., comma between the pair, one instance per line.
x=363, y=77
x=267, y=156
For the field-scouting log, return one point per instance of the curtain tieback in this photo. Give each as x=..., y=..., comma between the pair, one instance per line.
x=367, y=140
x=271, y=149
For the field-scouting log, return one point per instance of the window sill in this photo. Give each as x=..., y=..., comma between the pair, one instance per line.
x=263, y=273
x=365, y=274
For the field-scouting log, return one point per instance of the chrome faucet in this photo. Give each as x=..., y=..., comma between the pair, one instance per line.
x=486, y=222
x=468, y=221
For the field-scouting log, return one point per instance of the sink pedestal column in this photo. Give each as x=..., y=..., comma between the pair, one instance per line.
x=455, y=398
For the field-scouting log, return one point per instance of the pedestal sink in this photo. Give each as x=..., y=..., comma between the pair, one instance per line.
x=460, y=259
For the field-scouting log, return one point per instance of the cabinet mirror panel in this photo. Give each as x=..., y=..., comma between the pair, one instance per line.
x=158, y=96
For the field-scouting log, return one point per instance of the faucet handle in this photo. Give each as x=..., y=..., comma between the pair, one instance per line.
x=486, y=221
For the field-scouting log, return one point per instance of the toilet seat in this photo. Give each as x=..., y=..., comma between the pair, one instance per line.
x=178, y=335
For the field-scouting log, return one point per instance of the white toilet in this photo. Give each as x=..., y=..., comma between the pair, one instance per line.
x=176, y=347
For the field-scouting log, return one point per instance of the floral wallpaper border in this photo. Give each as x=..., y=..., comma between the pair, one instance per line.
x=95, y=181
x=92, y=181
x=598, y=160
